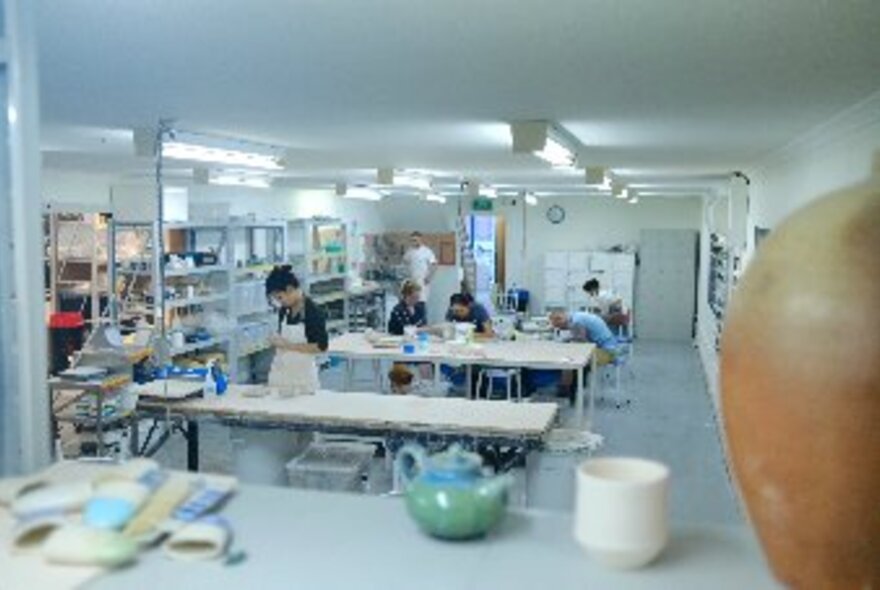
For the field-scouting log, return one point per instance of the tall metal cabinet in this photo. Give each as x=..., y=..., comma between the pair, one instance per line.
x=666, y=297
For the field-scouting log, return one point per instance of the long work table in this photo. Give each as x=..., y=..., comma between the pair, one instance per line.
x=318, y=540
x=397, y=419
x=528, y=354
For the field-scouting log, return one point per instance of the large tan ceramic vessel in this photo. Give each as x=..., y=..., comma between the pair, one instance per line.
x=800, y=378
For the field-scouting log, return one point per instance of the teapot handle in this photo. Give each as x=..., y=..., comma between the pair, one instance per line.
x=410, y=461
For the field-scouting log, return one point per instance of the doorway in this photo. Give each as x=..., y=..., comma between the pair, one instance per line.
x=487, y=234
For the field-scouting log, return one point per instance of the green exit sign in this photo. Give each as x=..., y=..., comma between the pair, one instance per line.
x=482, y=204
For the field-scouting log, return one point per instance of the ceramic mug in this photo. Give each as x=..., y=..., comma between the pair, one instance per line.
x=621, y=510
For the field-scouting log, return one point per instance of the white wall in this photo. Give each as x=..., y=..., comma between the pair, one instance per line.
x=841, y=152
x=836, y=154
x=590, y=223
x=72, y=188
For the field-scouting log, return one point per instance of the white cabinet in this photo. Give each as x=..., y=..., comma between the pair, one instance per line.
x=565, y=273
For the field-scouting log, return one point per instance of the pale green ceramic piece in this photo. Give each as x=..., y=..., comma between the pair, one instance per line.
x=448, y=495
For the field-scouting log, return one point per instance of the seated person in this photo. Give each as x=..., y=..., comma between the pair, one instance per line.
x=409, y=311
x=606, y=304
x=463, y=308
x=589, y=327
x=601, y=302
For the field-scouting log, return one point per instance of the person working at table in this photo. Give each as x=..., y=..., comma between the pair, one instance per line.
x=603, y=303
x=463, y=309
x=588, y=327
x=302, y=331
x=409, y=311
x=585, y=327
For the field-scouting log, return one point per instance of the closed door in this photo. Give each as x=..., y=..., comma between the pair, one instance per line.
x=666, y=287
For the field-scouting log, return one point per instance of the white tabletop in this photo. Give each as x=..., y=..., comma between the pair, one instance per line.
x=536, y=354
x=314, y=540
x=376, y=412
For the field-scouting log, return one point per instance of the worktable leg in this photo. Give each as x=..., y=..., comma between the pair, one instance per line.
x=134, y=435
x=349, y=370
x=436, y=367
x=192, y=445
x=469, y=380
x=377, y=374
x=594, y=377
x=579, y=398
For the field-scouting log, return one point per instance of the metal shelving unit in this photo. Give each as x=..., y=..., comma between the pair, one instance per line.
x=191, y=290
x=318, y=250
x=77, y=262
x=257, y=247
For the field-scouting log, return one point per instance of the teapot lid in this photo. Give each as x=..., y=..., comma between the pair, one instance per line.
x=453, y=464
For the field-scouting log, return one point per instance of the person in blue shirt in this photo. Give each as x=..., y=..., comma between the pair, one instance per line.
x=463, y=308
x=589, y=327
x=585, y=327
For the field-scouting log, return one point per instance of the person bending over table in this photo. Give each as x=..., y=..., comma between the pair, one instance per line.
x=463, y=308
x=586, y=327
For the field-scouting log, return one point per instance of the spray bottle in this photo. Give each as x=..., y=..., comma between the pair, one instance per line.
x=209, y=389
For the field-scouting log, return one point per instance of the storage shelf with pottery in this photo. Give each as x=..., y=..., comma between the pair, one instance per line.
x=134, y=261
x=318, y=250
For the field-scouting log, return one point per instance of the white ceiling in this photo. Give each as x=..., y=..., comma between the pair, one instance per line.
x=663, y=90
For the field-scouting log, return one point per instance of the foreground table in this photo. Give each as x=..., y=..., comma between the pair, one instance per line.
x=528, y=354
x=520, y=427
x=298, y=539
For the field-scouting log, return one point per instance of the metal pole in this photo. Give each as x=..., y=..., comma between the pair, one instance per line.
x=159, y=235
x=28, y=356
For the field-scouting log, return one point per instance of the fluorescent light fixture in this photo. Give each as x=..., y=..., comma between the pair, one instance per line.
x=546, y=140
x=489, y=192
x=531, y=199
x=195, y=147
x=244, y=179
x=403, y=178
x=435, y=198
x=362, y=193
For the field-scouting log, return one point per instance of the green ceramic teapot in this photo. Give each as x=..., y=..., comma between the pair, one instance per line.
x=448, y=495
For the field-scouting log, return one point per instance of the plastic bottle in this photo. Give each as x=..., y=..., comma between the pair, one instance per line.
x=209, y=389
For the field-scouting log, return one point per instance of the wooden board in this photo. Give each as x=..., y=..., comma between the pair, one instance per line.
x=376, y=412
x=536, y=354
x=170, y=389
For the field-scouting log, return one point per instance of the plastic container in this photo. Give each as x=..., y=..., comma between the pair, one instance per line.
x=337, y=467
x=66, y=334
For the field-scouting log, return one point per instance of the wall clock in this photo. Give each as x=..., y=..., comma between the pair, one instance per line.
x=556, y=214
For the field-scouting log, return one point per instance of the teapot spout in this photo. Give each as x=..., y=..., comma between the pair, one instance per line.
x=497, y=486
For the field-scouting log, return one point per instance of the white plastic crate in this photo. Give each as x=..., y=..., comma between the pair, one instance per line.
x=339, y=467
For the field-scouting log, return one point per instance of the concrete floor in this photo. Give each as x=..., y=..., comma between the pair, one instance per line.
x=669, y=418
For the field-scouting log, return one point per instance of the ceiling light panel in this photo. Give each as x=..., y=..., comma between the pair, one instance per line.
x=195, y=147
x=547, y=141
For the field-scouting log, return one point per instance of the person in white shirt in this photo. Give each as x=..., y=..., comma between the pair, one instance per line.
x=421, y=263
x=603, y=303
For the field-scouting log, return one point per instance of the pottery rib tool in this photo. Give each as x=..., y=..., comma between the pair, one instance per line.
x=159, y=507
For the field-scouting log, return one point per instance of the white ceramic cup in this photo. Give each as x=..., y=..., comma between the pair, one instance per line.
x=620, y=515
